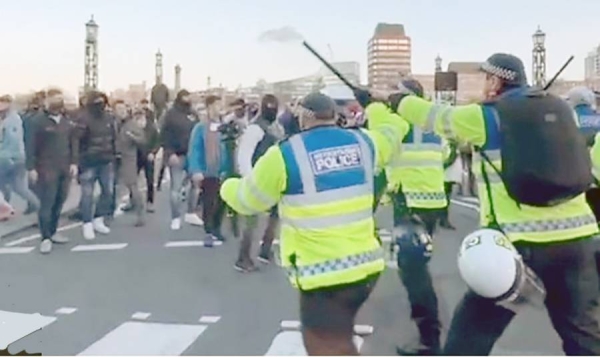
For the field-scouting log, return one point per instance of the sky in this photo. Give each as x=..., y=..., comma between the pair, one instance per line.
x=43, y=41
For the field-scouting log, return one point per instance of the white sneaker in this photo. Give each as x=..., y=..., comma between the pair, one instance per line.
x=99, y=226
x=88, y=231
x=193, y=219
x=176, y=224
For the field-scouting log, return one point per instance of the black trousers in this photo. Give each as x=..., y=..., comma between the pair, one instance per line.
x=416, y=278
x=448, y=189
x=569, y=275
x=148, y=166
x=53, y=190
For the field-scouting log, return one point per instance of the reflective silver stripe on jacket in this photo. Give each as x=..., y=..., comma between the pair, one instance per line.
x=541, y=226
x=422, y=147
x=425, y=196
x=431, y=116
x=310, y=196
x=253, y=190
x=421, y=163
x=335, y=265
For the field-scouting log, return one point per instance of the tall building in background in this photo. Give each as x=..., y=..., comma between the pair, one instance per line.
x=592, y=65
x=90, y=77
x=389, y=55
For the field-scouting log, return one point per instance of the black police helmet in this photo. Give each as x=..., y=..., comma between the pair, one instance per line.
x=321, y=106
x=507, y=67
x=412, y=85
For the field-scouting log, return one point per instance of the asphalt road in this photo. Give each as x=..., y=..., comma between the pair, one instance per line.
x=130, y=293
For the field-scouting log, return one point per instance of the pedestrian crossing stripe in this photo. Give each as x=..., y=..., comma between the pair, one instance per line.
x=15, y=326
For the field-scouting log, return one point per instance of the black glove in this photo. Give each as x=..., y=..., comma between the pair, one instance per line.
x=363, y=97
x=395, y=100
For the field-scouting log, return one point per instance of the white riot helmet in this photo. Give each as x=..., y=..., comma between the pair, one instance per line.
x=491, y=266
x=581, y=96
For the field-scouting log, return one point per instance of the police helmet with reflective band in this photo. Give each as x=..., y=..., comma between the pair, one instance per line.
x=318, y=106
x=411, y=243
x=492, y=268
x=581, y=96
x=507, y=67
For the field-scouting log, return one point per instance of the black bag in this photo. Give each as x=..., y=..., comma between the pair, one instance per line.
x=545, y=159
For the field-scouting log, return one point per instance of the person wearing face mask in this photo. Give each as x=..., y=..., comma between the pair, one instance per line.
x=262, y=133
x=51, y=159
x=175, y=132
x=131, y=138
x=97, y=141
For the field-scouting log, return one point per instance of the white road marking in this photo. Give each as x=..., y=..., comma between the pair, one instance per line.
x=145, y=338
x=189, y=243
x=14, y=326
x=141, y=315
x=98, y=247
x=289, y=343
x=65, y=311
x=207, y=319
x=467, y=205
x=37, y=235
x=16, y=250
x=295, y=325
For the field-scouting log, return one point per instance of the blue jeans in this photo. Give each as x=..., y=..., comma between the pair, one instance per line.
x=179, y=180
x=105, y=176
x=14, y=177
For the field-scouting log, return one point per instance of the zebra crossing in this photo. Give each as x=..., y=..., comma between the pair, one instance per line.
x=141, y=334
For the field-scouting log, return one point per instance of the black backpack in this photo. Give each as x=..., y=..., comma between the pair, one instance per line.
x=545, y=159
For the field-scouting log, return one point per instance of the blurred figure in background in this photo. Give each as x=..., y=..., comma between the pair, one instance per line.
x=13, y=174
x=130, y=140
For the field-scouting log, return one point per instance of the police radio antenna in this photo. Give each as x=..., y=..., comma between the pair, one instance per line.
x=551, y=82
x=328, y=65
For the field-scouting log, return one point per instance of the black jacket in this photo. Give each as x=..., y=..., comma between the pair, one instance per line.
x=51, y=146
x=176, y=130
x=97, y=139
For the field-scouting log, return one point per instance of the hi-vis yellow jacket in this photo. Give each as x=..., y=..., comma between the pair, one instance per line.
x=322, y=180
x=419, y=170
x=475, y=124
x=595, y=152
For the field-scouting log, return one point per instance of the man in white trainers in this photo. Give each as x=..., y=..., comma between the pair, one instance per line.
x=175, y=133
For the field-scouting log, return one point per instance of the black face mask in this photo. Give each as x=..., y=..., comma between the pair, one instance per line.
x=97, y=109
x=270, y=114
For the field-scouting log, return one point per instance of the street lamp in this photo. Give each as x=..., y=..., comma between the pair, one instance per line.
x=539, y=38
x=91, y=30
x=438, y=63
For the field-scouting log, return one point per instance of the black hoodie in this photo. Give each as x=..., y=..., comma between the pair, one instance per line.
x=97, y=135
x=177, y=128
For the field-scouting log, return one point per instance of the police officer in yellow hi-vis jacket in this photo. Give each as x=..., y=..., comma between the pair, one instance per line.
x=416, y=177
x=322, y=180
x=556, y=242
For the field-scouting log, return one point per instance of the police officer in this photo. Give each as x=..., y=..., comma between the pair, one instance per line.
x=416, y=176
x=555, y=241
x=322, y=179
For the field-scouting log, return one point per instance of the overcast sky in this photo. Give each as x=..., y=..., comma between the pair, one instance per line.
x=43, y=40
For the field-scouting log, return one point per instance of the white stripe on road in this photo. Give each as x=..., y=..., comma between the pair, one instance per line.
x=472, y=206
x=189, y=243
x=14, y=326
x=65, y=311
x=144, y=338
x=98, y=247
x=16, y=250
x=289, y=343
x=37, y=235
x=207, y=319
x=295, y=325
x=141, y=315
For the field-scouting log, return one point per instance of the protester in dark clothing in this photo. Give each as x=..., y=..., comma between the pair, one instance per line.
x=52, y=157
x=97, y=136
x=289, y=122
x=159, y=98
x=175, y=136
x=34, y=107
x=150, y=116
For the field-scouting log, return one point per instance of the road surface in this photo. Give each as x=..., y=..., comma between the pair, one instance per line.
x=137, y=292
